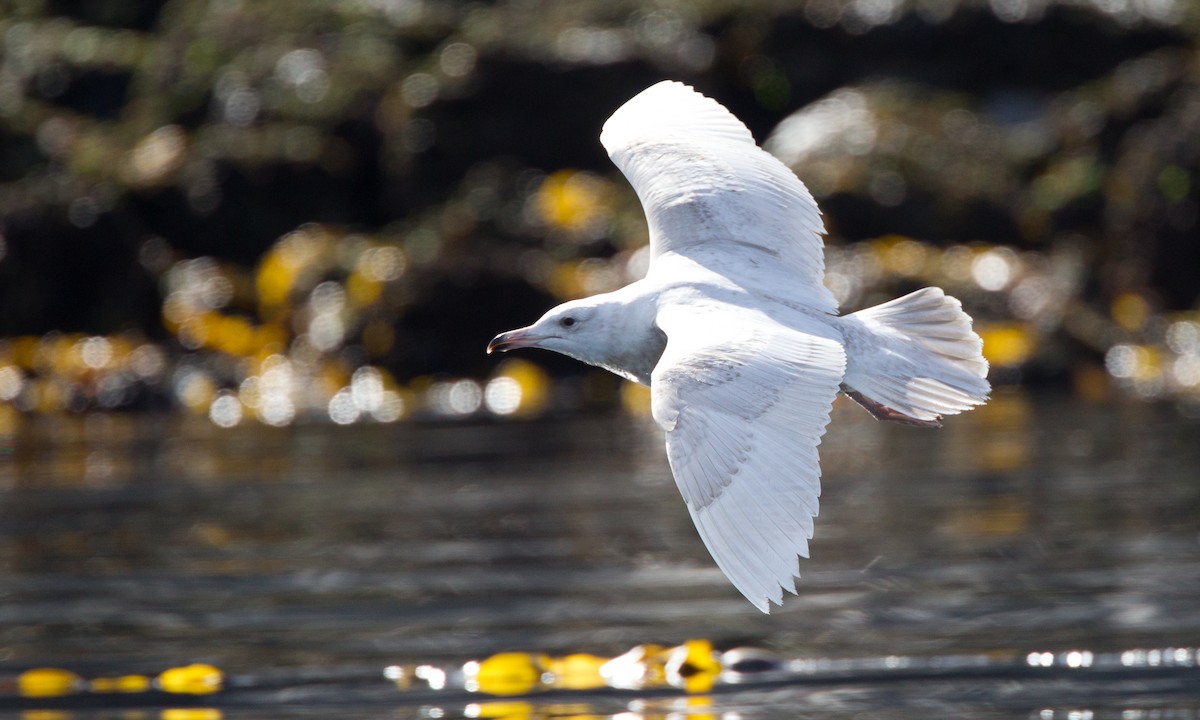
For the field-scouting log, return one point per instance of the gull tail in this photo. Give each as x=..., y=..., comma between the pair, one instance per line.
x=914, y=359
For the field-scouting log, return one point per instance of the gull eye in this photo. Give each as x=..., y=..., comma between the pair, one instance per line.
x=567, y=321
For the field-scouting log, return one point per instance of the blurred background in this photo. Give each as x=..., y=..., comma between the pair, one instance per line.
x=251, y=253
x=273, y=211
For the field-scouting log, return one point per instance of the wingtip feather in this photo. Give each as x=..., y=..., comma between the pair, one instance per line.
x=664, y=109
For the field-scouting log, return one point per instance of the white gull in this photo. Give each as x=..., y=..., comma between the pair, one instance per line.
x=739, y=340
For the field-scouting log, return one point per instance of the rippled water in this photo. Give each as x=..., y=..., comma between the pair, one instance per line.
x=303, y=561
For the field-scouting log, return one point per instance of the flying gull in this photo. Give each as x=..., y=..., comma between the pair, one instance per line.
x=739, y=340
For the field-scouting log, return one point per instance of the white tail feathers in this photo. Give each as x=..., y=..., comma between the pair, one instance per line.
x=915, y=356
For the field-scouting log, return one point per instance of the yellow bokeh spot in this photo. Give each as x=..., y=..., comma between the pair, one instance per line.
x=274, y=282
x=305, y=250
x=1007, y=344
x=693, y=666
x=500, y=709
x=24, y=351
x=900, y=255
x=198, y=393
x=1130, y=311
x=122, y=684
x=47, y=715
x=1149, y=364
x=510, y=673
x=46, y=396
x=700, y=657
x=700, y=682
x=566, y=281
x=329, y=378
x=195, y=679
x=573, y=201
x=48, y=682
x=635, y=399
x=532, y=384
x=362, y=291
x=190, y=714
x=61, y=353
x=269, y=340
x=579, y=671
x=232, y=335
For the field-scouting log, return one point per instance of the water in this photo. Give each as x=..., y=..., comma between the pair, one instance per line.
x=969, y=569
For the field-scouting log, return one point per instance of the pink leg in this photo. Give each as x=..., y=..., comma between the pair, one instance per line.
x=883, y=412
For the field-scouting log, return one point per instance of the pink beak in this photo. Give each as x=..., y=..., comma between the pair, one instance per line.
x=512, y=340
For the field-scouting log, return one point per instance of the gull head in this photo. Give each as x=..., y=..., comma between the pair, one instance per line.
x=576, y=329
x=615, y=331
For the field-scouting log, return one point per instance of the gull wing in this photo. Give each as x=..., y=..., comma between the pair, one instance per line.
x=711, y=194
x=744, y=401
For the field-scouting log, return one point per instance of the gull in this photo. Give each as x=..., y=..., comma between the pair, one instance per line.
x=740, y=342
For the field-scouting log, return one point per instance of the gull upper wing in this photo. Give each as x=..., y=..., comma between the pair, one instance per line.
x=711, y=194
x=744, y=401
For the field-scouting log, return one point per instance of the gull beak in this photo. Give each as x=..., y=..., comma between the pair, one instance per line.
x=512, y=340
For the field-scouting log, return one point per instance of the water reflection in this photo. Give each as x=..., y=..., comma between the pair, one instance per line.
x=1021, y=534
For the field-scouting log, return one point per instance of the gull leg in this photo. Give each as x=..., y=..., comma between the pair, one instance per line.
x=883, y=412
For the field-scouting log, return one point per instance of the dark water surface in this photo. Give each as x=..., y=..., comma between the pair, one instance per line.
x=966, y=570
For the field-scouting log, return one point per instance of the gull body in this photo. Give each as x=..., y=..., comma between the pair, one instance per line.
x=739, y=340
